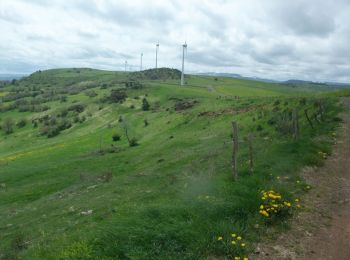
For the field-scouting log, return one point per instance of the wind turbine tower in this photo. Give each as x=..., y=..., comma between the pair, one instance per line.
x=126, y=64
x=157, y=48
x=184, y=49
x=141, y=62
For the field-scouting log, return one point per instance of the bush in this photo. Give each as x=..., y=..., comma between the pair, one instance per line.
x=91, y=93
x=21, y=123
x=63, y=99
x=259, y=128
x=145, y=104
x=118, y=96
x=133, y=142
x=7, y=126
x=116, y=137
x=77, y=108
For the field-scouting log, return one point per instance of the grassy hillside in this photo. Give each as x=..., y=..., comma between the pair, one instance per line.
x=165, y=189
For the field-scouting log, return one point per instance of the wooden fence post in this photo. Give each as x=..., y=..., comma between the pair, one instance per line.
x=321, y=109
x=250, y=144
x=234, y=149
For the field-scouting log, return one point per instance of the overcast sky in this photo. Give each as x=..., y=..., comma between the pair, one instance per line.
x=277, y=39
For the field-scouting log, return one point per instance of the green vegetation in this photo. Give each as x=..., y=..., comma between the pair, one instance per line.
x=132, y=166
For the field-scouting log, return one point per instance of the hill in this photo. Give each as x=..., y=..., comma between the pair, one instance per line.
x=101, y=164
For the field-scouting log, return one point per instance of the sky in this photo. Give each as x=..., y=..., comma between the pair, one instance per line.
x=275, y=39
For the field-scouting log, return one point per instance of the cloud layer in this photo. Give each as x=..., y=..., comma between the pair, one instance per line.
x=271, y=38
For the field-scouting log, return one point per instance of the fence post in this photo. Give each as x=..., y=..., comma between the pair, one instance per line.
x=234, y=149
x=250, y=144
x=321, y=109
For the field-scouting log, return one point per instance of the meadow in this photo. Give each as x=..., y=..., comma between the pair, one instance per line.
x=91, y=172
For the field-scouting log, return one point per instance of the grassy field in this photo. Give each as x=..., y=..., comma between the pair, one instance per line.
x=81, y=195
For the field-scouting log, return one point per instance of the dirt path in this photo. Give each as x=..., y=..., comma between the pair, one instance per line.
x=322, y=230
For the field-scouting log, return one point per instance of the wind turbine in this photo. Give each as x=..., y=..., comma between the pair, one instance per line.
x=126, y=64
x=184, y=48
x=157, y=48
x=141, y=62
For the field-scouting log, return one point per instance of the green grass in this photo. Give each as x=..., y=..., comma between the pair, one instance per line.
x=172, y=195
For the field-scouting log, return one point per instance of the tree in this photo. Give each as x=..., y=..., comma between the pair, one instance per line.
x=118, y=95
x=8, y=126
x=145, y=104
x=132, y=141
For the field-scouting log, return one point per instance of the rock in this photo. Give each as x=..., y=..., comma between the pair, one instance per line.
x=86, y=213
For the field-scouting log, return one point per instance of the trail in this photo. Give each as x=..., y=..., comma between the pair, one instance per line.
x=322, y=230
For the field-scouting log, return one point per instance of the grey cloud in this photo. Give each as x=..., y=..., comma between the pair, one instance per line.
x=309, y=19
x=215, y=58
x=91, y=53
x=276, y=39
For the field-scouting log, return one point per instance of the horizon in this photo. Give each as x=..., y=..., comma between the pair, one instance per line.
x=17, y=76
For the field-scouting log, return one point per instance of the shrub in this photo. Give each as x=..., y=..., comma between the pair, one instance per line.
x=276, y=103
x=116, y=137
x=91, y=93
x=63, y=99
x=118, y=96
x=133, y=142
x=145, y=104
x=77, y=108
x=21, y=123
x=7, y=126
x=259, y=128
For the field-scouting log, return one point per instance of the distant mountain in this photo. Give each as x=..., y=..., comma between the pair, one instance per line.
x=11, y=76
x=291, y=82
x=236, y=76
x=296, y=82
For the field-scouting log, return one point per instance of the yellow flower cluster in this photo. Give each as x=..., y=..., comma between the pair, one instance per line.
x=273, y=203
x=236, y=241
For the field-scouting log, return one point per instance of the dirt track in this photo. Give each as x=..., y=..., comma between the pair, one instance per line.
x=322, y=230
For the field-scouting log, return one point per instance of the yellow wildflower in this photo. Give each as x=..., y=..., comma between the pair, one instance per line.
x=233, y=235
x=243, y=245
x=219, y=238
x=233, y=242
x=239, y=238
